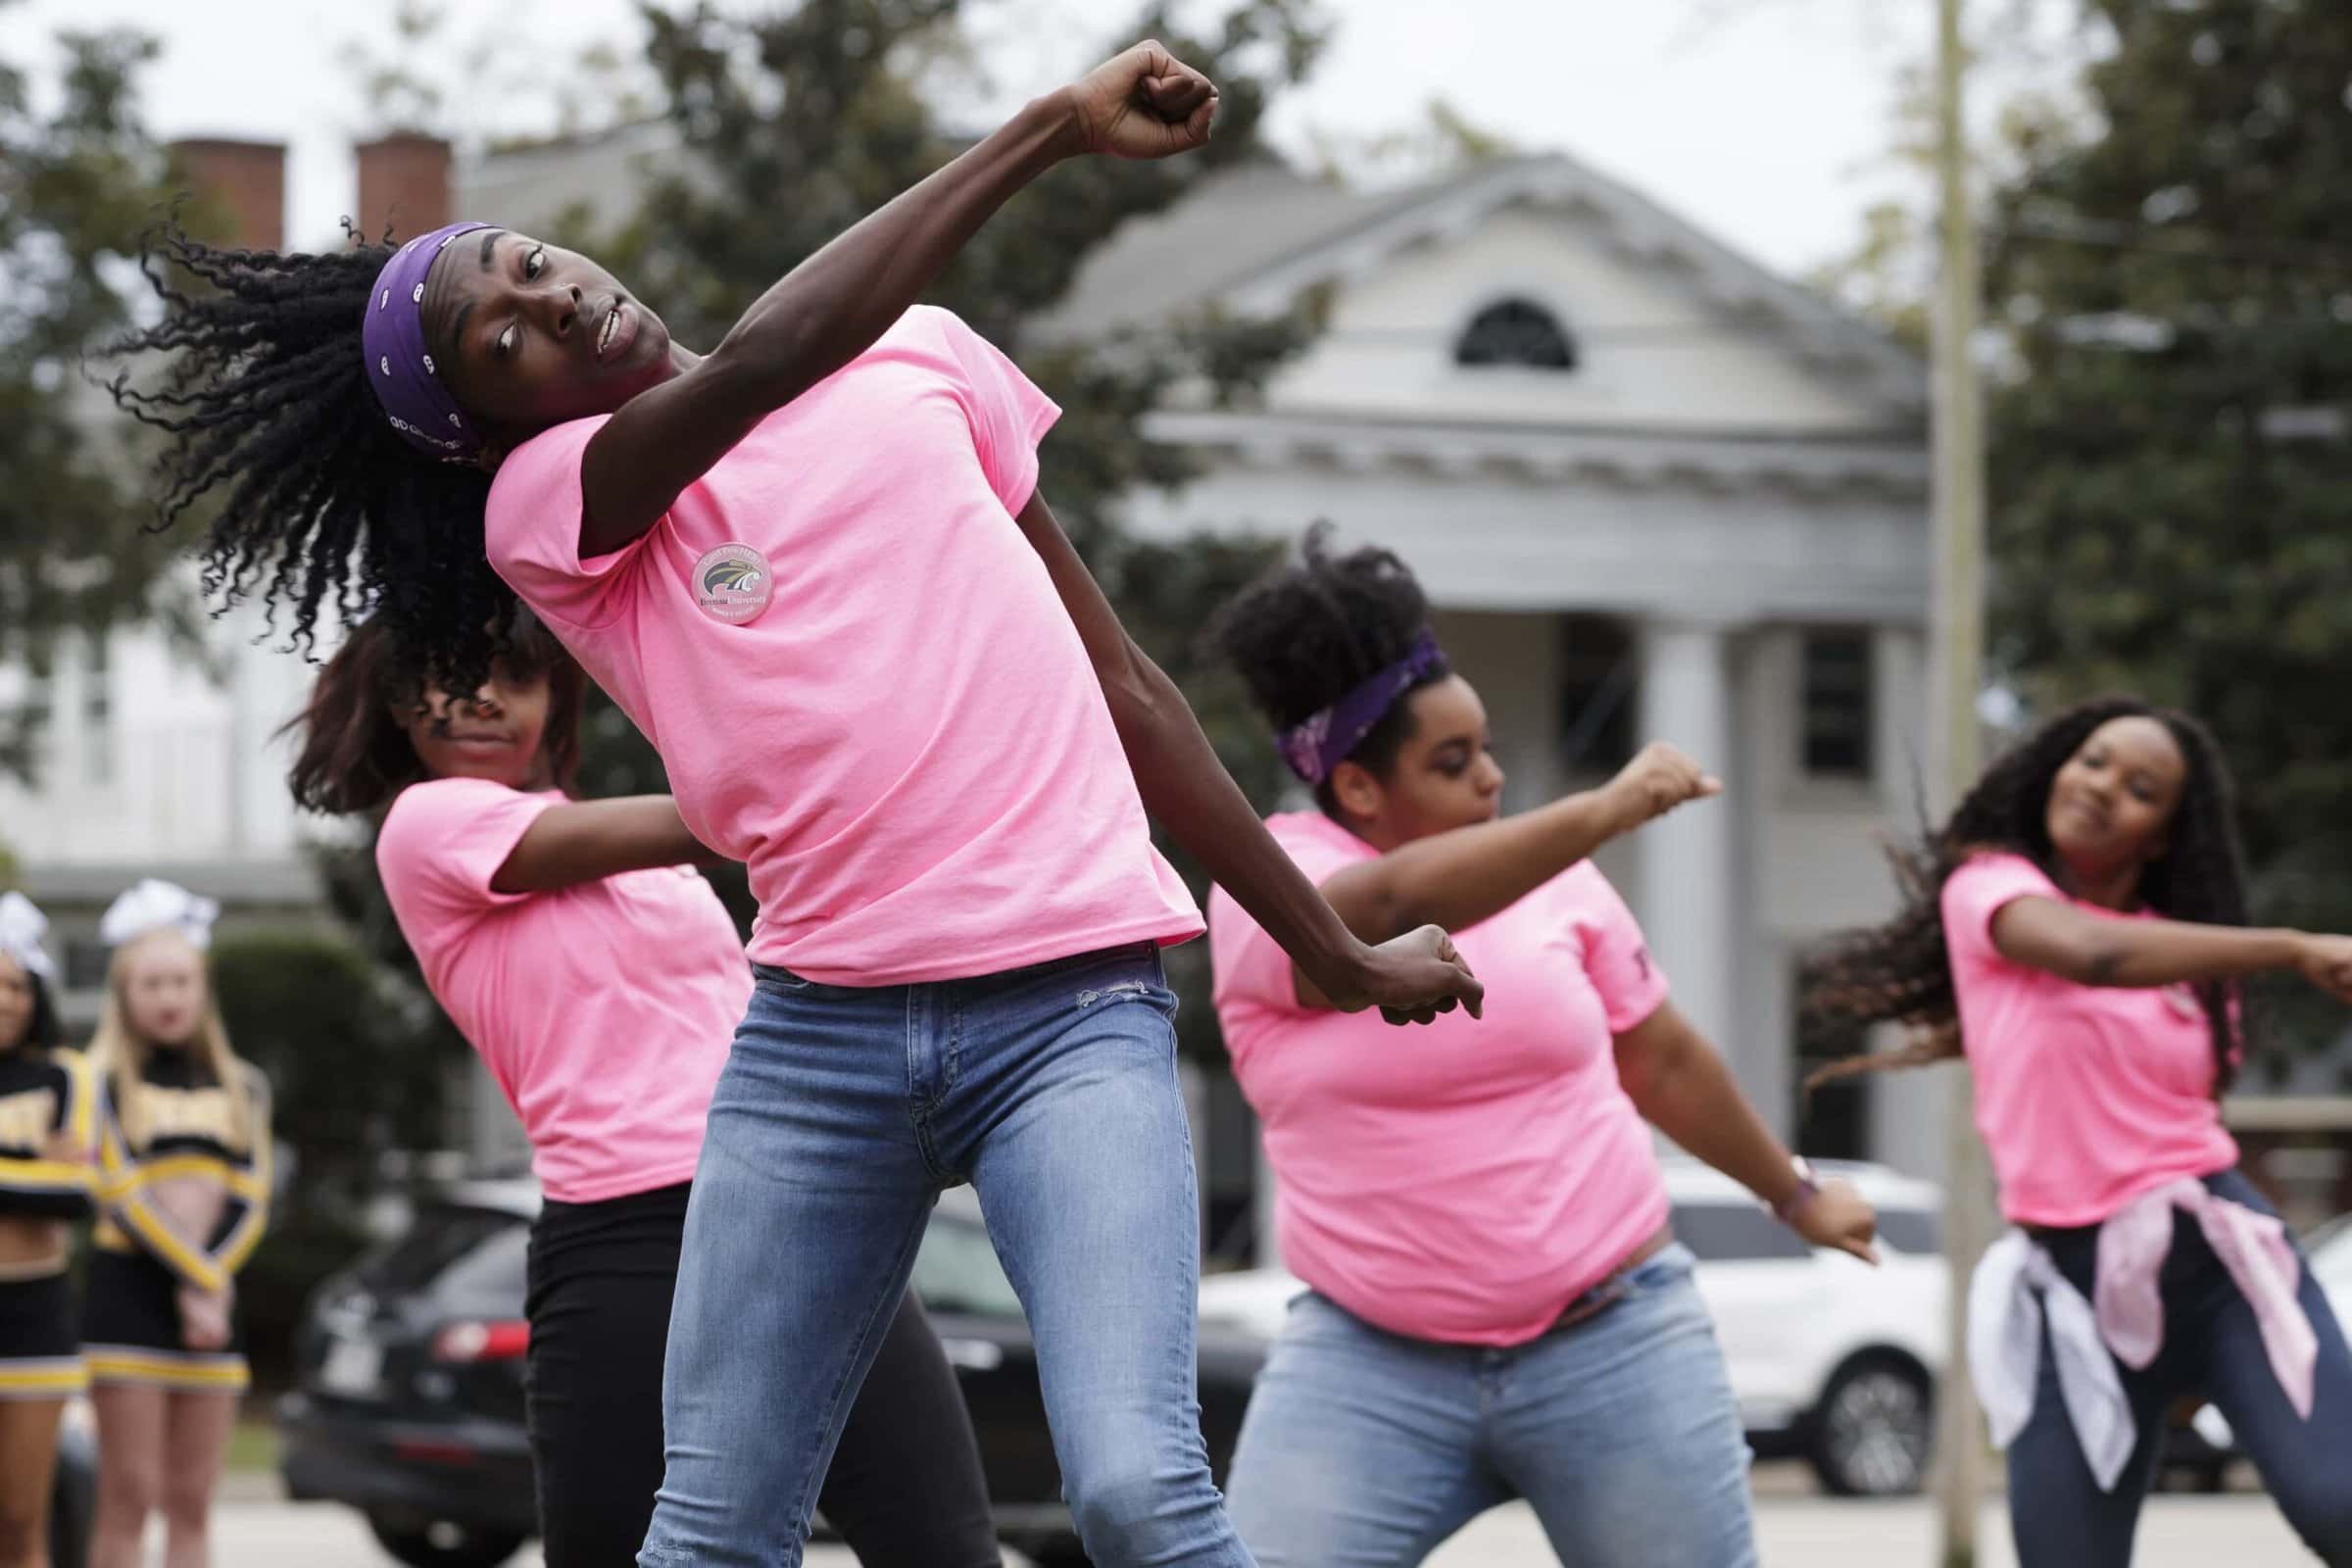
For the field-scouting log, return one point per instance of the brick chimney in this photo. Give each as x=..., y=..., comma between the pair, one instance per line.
x=245, y=182
x=404, y=184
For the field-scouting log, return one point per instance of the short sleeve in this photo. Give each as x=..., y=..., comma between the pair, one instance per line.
x=1984, y=886
x=1250, y=967
x=1617, y=958
x=531, y=531
x=1008, y=414
x=443, y=841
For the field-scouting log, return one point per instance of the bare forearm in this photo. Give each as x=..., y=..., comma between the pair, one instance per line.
x=1458, y=878
x=2167, y=953
x=2095, y=951
x=1187, y=790
x=824, y=313
x=1683, y=1087
x=585, y=841
x=827, y=310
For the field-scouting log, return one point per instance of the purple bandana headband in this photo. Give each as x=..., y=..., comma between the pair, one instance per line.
x=1324, y=741
x=400, y=369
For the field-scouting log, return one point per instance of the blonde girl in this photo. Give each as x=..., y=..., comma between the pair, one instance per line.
x=184, y=1198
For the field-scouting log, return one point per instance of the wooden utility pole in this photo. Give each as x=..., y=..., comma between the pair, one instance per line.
x=1956, y=662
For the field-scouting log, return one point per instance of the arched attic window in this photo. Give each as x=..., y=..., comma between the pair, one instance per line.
x=1516, y=331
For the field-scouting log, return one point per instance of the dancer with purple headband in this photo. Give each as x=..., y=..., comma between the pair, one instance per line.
x=877, y=674
x=1497, y=1307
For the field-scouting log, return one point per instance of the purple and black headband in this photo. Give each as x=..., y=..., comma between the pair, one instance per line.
x=399, y=368
x=1325, y=739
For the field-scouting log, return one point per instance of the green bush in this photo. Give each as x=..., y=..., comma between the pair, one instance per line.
x=357, y=1061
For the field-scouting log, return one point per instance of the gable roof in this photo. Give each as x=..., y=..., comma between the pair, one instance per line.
x=1252, y=240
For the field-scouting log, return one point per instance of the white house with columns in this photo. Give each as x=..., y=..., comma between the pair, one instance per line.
x=1654, y=492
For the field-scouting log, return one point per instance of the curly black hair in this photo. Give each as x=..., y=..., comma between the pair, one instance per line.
x=1900, y=972
x=1307, y=632
x=269, y=422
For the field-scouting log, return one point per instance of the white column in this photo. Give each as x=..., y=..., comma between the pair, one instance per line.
x=1688, y=888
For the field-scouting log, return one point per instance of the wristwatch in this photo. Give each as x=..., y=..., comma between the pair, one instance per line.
x=1807, y=1189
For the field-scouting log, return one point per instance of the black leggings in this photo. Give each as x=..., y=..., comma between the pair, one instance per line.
x=904, y=1489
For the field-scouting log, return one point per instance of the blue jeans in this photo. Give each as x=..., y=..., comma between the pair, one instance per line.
x=841, y=1116
x=1366, y=1450
x=2212, y=1348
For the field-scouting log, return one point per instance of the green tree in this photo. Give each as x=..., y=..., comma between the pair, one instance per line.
x=356, y=1061
x=78, y=182
x=354, y=1064
x=2170, y=461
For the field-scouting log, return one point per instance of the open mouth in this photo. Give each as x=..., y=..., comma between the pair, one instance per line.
x=620, y=328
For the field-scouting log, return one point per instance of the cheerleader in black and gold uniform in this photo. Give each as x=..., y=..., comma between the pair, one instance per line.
x=183, y=1145
x=46, y=1175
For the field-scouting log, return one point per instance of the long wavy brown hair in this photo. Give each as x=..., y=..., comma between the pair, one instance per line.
x=354, y=756
x=1902, y=973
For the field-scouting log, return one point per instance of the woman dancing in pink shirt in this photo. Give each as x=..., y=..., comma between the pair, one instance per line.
x=535, y=917
x=2077, y=930
x=816, y=568
x=1498, y=1306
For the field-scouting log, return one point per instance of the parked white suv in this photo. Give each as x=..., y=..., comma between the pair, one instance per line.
x=1830, y=1358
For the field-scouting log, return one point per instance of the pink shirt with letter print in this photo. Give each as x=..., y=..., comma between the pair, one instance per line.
x=860, y=675
x=2087, y=1097
x=1461, y=1182
x=604, y=1010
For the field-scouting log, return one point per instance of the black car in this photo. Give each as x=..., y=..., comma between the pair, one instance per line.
x=409, y=1398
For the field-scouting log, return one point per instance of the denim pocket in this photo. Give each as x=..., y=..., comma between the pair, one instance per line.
x=1113, y=991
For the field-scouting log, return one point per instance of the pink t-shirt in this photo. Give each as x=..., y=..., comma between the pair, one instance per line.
x=1466, y=1180
x=604, y=1010
x=2086, y=1096
x=906, y=744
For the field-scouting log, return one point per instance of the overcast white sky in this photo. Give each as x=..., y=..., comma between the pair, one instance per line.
x=1765, y=120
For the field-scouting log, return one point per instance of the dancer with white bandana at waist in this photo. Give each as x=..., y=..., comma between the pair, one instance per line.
x=2079, y=929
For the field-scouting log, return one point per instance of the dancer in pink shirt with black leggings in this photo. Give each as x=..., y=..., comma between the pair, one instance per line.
x=2077, y=930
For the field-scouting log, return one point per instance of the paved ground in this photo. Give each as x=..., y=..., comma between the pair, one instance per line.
x=2243, y=1532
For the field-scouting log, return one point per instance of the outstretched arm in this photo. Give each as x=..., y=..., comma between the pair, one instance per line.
x=2048, y=934
x=583, y=841
x=1412, y=978
x=833, y=306
x=1458, y=878
x=1682, y=1087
